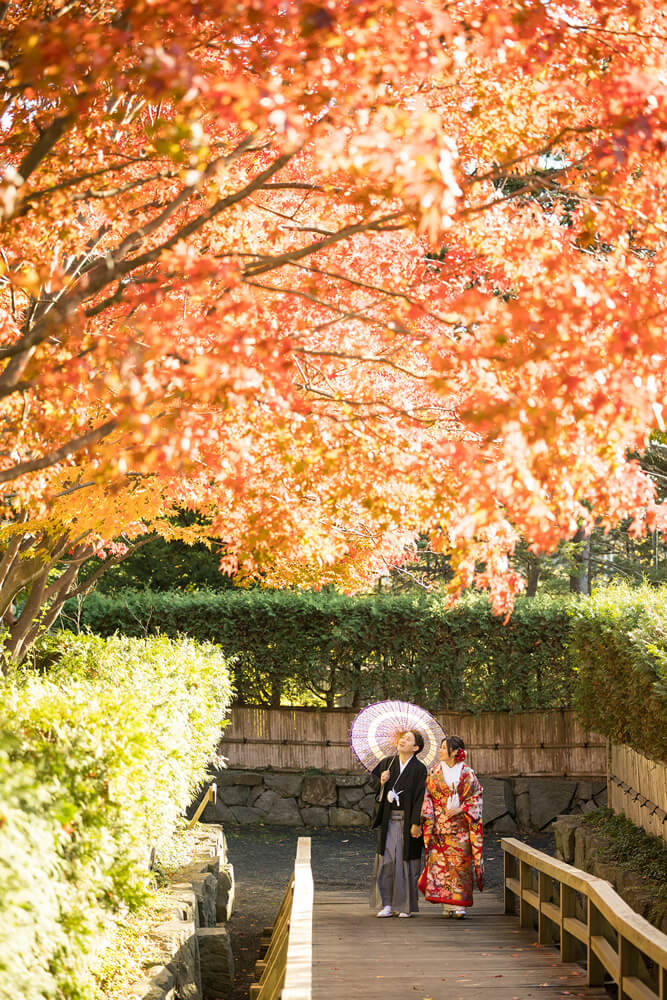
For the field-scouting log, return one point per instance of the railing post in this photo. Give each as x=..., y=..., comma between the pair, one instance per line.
x=637, y=961
x=509, y=871
x=628, y=963
x=524, y=908
x=595, y=970
x=568, y=948
x=545, y=932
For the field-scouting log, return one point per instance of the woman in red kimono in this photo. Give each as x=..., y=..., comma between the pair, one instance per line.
x=452, y=821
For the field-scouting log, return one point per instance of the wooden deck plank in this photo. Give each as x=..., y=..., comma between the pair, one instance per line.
x=356, y=955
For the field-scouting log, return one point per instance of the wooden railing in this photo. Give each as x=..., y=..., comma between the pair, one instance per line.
x=210, y=795
x=590, y=920
x=285, y=970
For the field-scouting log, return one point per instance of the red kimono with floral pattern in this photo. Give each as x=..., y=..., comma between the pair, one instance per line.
x=453, y=846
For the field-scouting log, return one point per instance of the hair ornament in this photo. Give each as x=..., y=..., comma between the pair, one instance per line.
x=460, y=755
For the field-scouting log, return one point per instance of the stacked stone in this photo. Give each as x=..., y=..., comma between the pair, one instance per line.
x=530, y=805
x=192, y=957
x=583, y=846
x=292, y=799
x=348, y=799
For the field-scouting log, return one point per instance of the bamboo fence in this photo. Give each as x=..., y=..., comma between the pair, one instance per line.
x=532, y=744
x=637, y=788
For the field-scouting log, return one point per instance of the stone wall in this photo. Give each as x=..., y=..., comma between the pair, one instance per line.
x=346, y=799
x=581, y=845
x=192, y=957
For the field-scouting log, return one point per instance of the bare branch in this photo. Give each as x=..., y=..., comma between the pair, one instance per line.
x=623, y=32
x=380, y=406
x=114, y=265
x=110, y=300
x=501, y=168
x=91, y=580
x=16, y=387
x=130, y=242
x=102, y=193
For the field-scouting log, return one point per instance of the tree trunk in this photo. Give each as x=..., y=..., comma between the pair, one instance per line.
x=580, y=577
x=533, y=575
x=43, y=623
x=31, y=568
x=276, y=692
x=20, y=629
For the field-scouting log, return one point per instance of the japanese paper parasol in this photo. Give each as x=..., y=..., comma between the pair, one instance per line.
x=377, y=728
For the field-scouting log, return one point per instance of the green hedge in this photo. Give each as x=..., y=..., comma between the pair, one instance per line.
x=328, y=649
x=103, y=744
x=606, y=655
x=619, y=646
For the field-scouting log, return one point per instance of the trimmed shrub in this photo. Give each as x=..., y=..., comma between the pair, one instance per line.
x=619, y=646
x=32, y=895
x=330, y=649
x=605, y=655
x=103, y=747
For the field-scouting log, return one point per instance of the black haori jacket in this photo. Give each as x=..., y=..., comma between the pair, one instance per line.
x=411, y=784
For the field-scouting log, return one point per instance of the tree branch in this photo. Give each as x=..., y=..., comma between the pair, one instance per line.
x=129, y=243
x=200, y=221
x=58, y=454
x=342, y=313
x=45, y=144
x=113, y=266
x=41, y=193
x=296, y=186
x=383, y=360
x=91, y=580
x=271, y=263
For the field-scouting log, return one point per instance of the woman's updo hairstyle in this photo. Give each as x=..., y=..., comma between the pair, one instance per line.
x=456, y=748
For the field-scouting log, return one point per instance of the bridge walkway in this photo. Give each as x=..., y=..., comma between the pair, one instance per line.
x=357, y=956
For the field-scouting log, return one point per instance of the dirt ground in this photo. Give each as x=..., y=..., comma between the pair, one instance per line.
x=263, y=858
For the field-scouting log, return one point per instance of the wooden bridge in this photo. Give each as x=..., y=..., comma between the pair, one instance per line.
x=558, y=934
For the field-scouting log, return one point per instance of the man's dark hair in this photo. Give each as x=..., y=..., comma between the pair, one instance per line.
x=419, y=740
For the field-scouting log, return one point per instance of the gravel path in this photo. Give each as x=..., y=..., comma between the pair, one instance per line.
x=263, y=859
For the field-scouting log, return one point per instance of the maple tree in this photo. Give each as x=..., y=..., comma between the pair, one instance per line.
x=332, y=274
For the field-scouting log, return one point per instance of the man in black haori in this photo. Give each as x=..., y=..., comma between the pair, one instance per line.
x=397, y=819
